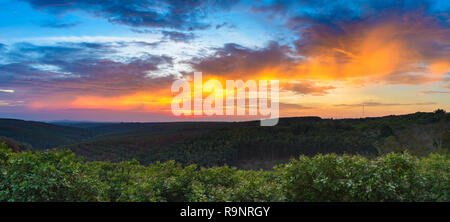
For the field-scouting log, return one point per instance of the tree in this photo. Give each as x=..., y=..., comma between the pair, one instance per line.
x=438, y=131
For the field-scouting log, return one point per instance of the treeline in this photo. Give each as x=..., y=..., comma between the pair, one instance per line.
x=238, y=146
x=233, y=146
x=62, y=176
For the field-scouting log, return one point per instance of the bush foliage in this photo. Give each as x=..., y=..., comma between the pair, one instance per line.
x=61, y=176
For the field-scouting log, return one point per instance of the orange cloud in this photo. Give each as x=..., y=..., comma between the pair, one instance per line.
x=440, y=67
x=376, y=53
x=410, y=49
x=147, y=101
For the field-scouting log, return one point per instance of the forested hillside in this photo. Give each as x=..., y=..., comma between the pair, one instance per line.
x=247, y=145
x=41, y=135
x=241, y=144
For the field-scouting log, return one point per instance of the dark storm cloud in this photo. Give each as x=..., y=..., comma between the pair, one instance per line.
x=177, y=14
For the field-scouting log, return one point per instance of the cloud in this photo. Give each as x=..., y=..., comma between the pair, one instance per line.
x=415, y=78
x=3, y=103
x=356, y=42
x=397, y=42
x=80, y=69
x=178, y=36
x=307, y=87
x=177, y=14
x=290, y=106
x=225, y=24
x=394, y=42
x=292, y=109
x=171, y=35
x=233, y=60
x=435, y=92
x=394, y=52
x=143, y=31
x=384, y=104
x=447, y=82
x=58, y=25
x=11, y=103
x=274, y=61
x=148, y=44
x=24, y=52
x=6, y=91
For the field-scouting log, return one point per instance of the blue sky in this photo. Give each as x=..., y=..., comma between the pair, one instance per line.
x=57, y=57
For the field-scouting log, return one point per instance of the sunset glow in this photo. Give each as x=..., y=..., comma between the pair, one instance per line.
x=83, y=60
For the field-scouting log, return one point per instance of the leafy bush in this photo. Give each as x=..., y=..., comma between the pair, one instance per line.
x=44, y=176
x=61, y=176
x=394, y=177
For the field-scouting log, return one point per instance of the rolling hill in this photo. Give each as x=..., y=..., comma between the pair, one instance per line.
x=42, y=135
x=242, y=144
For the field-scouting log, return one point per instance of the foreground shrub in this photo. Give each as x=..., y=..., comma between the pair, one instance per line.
x=394, y=177
x=61, y=176
x=435, y=171
x=114, y=178
x=44, y=176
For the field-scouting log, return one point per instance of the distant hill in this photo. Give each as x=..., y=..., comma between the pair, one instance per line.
x=42, y=135
x=61, y=133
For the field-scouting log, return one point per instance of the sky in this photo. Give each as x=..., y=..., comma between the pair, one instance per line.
x=99, y=60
